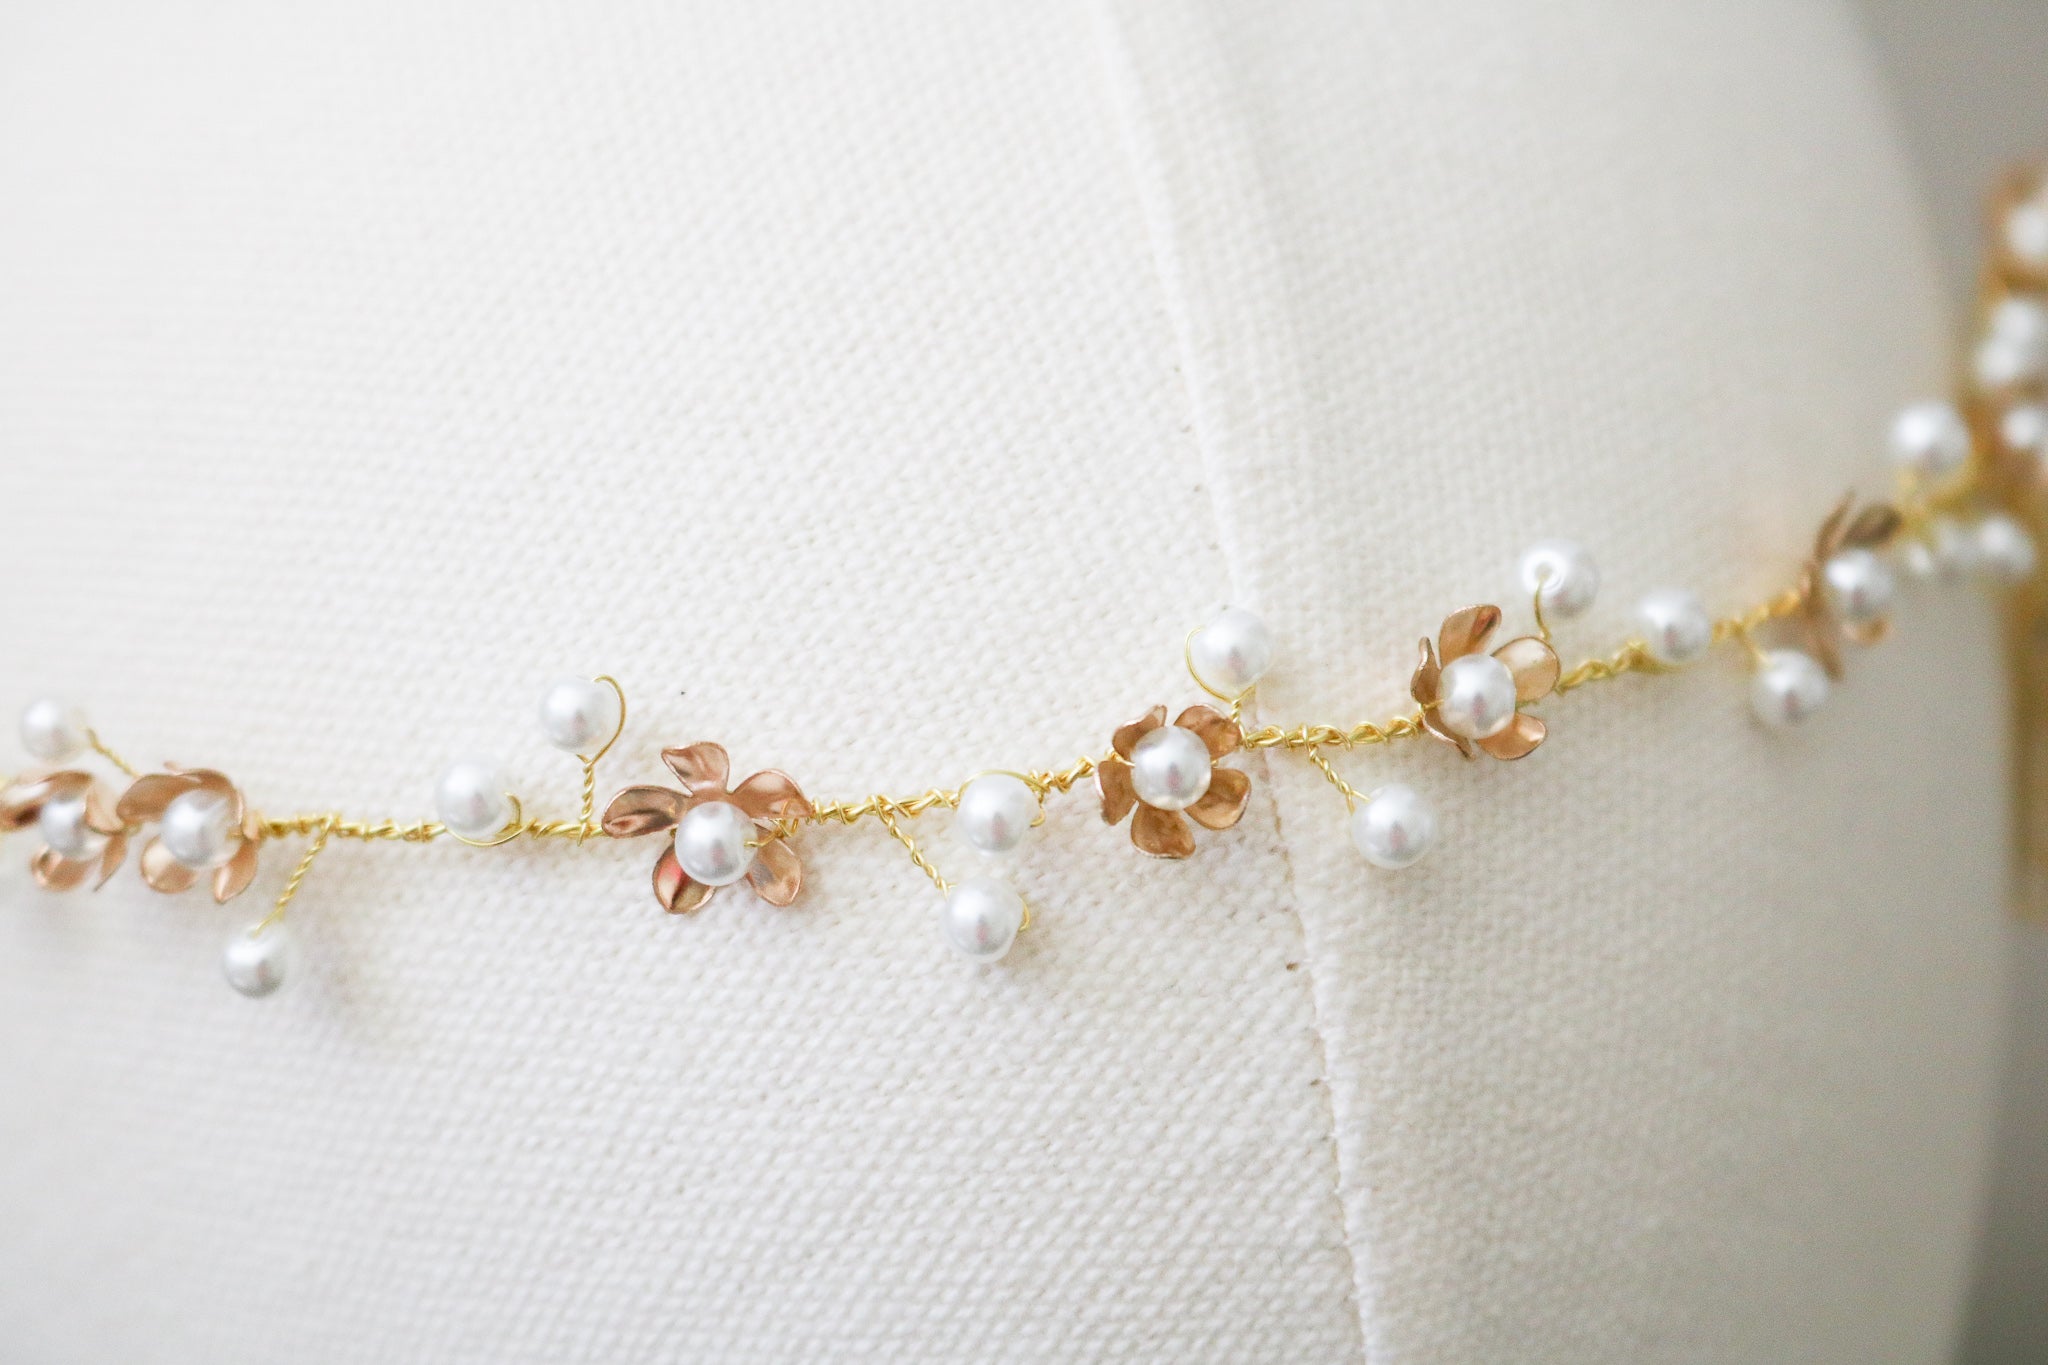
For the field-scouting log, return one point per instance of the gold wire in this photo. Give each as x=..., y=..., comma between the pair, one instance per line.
x=1351, y=794
x=99, y=747
x=586, y=824
x=924, y=864
x=291, y=887
x=514, y=827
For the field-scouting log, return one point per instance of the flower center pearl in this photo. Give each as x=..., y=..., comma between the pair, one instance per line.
x=198, y=829
x=1171, y=768
x=62, y=824
x=714, y=843
x=1859, y=585
x=1476, y=697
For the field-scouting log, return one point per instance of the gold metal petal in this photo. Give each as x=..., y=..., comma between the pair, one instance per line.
x=70, y=782
x=1113, y=780
x=1823, y=631
x=146, y=798
x=777, y=874
x=771, y=795
x=1873, y=527
x=1518, y=739
x=1868, y=632
x=212, y=780
x=1162, y=833
x=1127, y=736
x=22, y=802
x=673, y=888
x=1829, y=538
x=56, y=873
x=1534, y=665
x=700, y=767
x=1427, y=678
x=1464, y=632
x=1223, y=804
x=163, y=872
x=1217, y=730
x=642, y=810
x=99, y=816
x=110, y=858
x=232, y=877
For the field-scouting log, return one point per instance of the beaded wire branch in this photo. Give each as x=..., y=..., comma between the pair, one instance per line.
x=1959, y=465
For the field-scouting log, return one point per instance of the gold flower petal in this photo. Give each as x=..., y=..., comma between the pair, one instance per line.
x=21, y=802
x=212, y=780
x=1216, y=729
x=1823, y=632
x=1464, y=632
x=678, y=894
x=232, y=877
x=1534, y=665
x=777, y=875
x=56, y=873
x=1113, y=780
x=111, y=857
x=1223, y=804
x=1162, y=833
x=99, y=816
x=700, y=767
x=145, y=800
x=1126, y=738
x=642, y=810
x=1829, y=538
x=1873, y=527
x=1518, y=739
x=163, y=872
x=1424, y=683
x=1867, y=632
x=771, y=795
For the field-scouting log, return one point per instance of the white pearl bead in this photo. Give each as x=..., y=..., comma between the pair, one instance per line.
x=981, y=918
x=1676, y=627
x=198, y=829
x=470, y=800
x=257, y=964
x=2015, y=346
x=1859, y=585
x=2026, y=232
x=579, y=715
x=1231, y=653
x=1171, y=768
x=714, y=843
x=1787, y=688
x=1929, y=438
x=52, y=732
x=1945, y=552
x=1566, y=573
x=2024, y=429
x=1476, y=698
x=2005, y=551
x=996, y=812
x=1395, y=826
x=62, y=825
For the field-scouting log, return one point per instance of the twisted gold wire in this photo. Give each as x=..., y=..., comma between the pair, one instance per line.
x=924, y=864
x=99, y=747
x=291, y=887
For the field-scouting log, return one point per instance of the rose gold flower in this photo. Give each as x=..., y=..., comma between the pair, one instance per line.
x=1869, y=529
x=147, y=800
x=1160, y=830
x=766, y=798
x=21, y=805
x=1532, y=663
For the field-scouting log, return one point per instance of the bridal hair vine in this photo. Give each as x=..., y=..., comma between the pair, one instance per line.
x=1966, y=505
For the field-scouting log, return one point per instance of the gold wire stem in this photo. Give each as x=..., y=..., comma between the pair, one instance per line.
x=1633, y=657
x=586, y=819
x=1315, y=736
x=1536, y=600
x=99, y=747
x=924, y=864
x=1352, y=796
x=298, y=877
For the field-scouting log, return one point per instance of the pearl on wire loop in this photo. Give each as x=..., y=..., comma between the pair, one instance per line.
x=474, y=804
x=1229, y=655
x=54, y=732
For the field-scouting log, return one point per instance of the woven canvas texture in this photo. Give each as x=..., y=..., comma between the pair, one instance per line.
x=882, y=391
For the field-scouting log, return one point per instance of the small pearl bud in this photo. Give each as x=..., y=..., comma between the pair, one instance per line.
x=471, y=801
x=715, y=843
x=981, y=918
x=997, y=811
x=1788, y=687
x=198, y=829
x=1231, y=653
x=257, y=963
x=1394, y=827
x=1566, y=574
x=1676, y=628
x=579, y=715
x=1171, y=768
x=1930, y=439
x=52, y=732
x=2005, y=551
x=1476, y=697
x=1859, y=586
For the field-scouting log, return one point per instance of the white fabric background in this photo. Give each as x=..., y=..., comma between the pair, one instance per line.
x=883, y=393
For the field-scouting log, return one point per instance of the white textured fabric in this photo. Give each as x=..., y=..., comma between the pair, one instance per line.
x=883, y=391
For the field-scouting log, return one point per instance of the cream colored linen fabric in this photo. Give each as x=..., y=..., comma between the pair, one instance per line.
x=883, y=391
